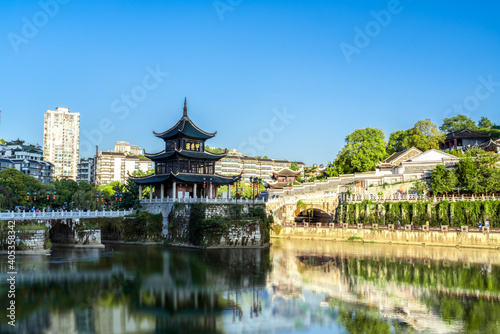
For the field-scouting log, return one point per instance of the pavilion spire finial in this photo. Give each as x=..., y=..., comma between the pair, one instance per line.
x=185, y=107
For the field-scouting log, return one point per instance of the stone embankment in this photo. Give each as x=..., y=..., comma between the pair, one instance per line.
x=437, y=238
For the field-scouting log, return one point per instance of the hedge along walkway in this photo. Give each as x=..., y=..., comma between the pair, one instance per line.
x=442, y=213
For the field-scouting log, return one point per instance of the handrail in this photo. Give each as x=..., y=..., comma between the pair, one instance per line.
x=12, y=215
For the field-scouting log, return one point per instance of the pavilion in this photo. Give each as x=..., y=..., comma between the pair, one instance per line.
x=184, y=169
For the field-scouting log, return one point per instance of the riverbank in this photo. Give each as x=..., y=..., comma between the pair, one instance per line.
x=402, y=237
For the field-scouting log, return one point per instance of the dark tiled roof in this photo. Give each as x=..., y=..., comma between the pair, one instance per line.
x=286, y=172
x=397, y=155
x=184, y=177
x=277, y=185
x=186, y=154
x=494, y=143
x=186, y=128
x=466, y=133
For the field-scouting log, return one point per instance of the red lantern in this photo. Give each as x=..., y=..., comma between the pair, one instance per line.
x=54, y=197
x=34, y=198
x=47, y=197
x=27, y=198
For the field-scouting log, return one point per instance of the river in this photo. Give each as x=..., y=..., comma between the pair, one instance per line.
x=298, y=286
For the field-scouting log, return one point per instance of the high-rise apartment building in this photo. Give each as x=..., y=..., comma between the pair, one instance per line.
x=61, y=141
x=117, y=166
x=235, y=163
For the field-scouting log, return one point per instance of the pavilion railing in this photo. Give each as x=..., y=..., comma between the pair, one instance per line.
x=12, y=215
x=203, y=200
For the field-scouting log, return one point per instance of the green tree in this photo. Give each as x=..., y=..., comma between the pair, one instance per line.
x=65, y=190
x=456, y=123
x=485, y=123
x=363, y=150
x=477, y=173
x=15, y=184
x=397, y=141
x=294, y=166
x=424, y=135
x=419, y=186
x=443, y=180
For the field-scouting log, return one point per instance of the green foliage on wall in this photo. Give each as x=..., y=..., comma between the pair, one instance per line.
x=460, y=213
x=206, y=232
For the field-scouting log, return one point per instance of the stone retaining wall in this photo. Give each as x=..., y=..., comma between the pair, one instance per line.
x=464, y=239
x=33, y=239
x=242, y=236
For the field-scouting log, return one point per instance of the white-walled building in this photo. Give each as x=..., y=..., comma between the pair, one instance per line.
x=27, y=159
x=235, y=163
x=61, y=141
x=125, y=147
x=115, y=166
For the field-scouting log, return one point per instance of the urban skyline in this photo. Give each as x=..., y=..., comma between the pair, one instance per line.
x=311, y=69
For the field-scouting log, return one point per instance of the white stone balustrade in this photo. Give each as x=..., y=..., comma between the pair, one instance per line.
x=61, y=214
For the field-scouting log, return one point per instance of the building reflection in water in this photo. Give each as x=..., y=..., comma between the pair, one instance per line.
x=296, y=286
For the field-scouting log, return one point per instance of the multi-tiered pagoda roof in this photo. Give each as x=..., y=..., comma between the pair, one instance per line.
x=184, y=160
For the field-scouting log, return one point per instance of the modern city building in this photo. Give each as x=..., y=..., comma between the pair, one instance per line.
x=116, y=166
x=86, y=170
x=125, y=147
x=61, y=141
x=236, y=163
x=27, y=159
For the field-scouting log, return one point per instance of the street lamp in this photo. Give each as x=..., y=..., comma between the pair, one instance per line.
x=116, y=199
x=254, y=181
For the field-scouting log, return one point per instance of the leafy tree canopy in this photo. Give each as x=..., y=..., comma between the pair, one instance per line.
x=485, y=123
x=424, y=135
x=456, y=123
x=363, y=150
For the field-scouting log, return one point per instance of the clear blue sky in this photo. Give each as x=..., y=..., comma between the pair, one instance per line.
x=240, y=63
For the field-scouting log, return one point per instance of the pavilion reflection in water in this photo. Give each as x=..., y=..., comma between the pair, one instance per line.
x=282, y=289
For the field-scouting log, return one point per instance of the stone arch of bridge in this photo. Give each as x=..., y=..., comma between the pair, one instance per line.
x=313, y=215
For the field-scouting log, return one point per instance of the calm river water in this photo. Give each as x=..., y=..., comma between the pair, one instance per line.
x=296, y=286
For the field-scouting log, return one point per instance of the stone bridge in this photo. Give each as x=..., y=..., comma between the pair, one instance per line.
x=321, y=197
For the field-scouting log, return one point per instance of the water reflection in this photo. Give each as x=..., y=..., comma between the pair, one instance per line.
x=300, y=286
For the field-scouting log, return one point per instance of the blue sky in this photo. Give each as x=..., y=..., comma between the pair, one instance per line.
x=242, y=63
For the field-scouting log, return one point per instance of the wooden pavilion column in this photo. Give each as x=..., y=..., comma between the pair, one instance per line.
x=174, y=195
x=162, y=196
x=211, y=187
x=194, y=190
x=140, y=192
x=150, y=192
x=229, y=191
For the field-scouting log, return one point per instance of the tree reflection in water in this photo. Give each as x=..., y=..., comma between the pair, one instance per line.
x=296, y=286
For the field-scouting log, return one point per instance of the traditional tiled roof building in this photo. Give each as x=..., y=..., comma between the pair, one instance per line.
x=463, y=139
x=283, y=178
x=491, y=146
x=184, y=169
